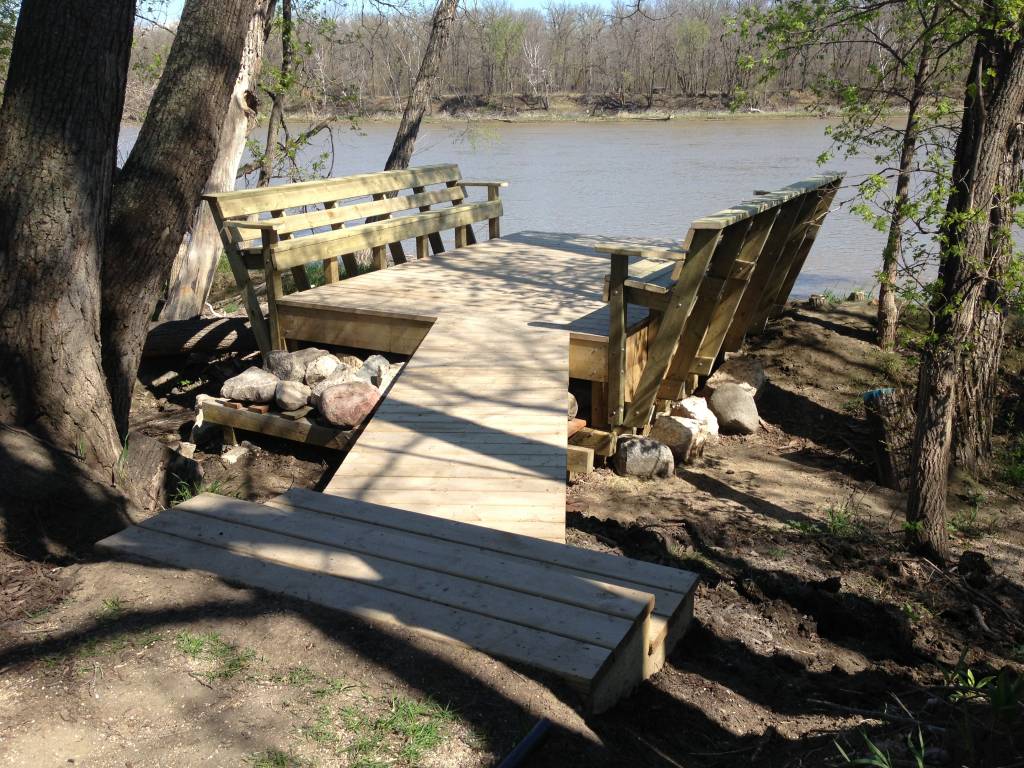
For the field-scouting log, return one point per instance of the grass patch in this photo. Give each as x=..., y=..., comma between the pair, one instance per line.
x=111, y=609
x=400, y=736
x=228, y=660
x=186, y=491
x=300, y=675
x=275, y=758
x=1012, y=464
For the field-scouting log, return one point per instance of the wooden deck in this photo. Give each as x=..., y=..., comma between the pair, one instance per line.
x=474, y=429
x=600, y=622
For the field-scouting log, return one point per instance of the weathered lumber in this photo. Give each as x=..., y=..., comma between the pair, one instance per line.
x=200, y=334
x=300, y=430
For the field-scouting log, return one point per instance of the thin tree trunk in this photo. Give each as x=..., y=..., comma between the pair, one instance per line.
x=982, y=148
x=419, y=98
x=159, y=187
x=269, y=160
x=196, y=264
x=58, y=146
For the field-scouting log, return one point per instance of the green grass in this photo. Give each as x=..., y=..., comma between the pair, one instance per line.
x=275, y=758
x=840, y=522
x=322, y=730
x=1012, y=464
x=893, y=366
x=832, y=297
x=111, y=609
x=300, y=675
x=185, y=491
x=228, y=660
x=401, y=736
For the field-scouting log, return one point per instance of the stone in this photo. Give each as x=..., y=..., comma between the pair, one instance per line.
x=186, y=449
x=745, y=371
x=574, y=407
x=374, y=369
x=253, y=385
x=290, y=395
x=341, y=375
x=350, y=360
x=734, y=406
x=396, y=368
x=233, y=454
x=694, y=407
x=684, y=437
x=291, y=366
x=347, y=405
x=321, y=368
x=857, y=296
x=643, y=457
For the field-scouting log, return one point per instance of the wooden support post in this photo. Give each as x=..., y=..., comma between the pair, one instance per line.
x=380, y=257
x=436, y=243
x=275, y=289
x=331, y=272
x=493, y=225
x=579, y=460
x=230, y=438
x=460, y=237
x=617, y=338
x=813, y=226
x=469, y=237
x=598, y=404
x=421, y=248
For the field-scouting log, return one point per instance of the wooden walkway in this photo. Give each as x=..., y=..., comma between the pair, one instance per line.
x=600, y=622
x=474, y=428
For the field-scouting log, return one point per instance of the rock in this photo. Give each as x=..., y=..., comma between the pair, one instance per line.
x=974, y=569
x=684, y=437
x=347, y=405
x=734, y=406
x=321, y=368
x=374, y=369
x=745, y=371
x=817, y=301
x=350, y=360
x=251, y=386
x=857, y=296
x=341, y=375
x=574, y=407
x=396, y=368
x=291, y=366
x=233, y=454
x=207, y=435
x=290, y=395
x=643, y=457
x=694, y=407
x=188, y=450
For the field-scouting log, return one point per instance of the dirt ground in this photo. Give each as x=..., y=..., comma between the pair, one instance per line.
x=813, y=627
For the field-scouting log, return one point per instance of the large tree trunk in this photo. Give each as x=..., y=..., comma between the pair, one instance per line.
x=979, y=379
x=196, y=264
x=419, y=97
x=58, y=147
x=990, y=115
x=159, y=187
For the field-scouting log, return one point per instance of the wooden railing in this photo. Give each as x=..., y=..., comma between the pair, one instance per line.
x=736, y=268
x=284, y=228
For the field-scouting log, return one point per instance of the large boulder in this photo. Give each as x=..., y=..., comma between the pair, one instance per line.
x=643, y=457
x=253, y=385
x=340, y=375
x=684, y=437
x=747, y=372
x=291, y=395
x=734, y=406
x=694, y=407
x=347, y=405
x=321, y=369
x=291, y=366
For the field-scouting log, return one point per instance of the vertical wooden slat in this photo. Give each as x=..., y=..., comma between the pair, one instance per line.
x=493, y=225
x=696, y=325
x=468, y=236
x=275, y=289
x=735, y=288
x=617, y=339
x=436, y=243
x=421, y=247
x=820, y=212
x=380, y=257
x=701, y=247
x=598, y=404
x=785, y=220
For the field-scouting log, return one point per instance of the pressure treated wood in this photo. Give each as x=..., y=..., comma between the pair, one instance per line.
x=602, y=623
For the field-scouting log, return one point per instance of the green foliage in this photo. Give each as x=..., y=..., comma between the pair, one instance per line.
x=402, y=736
x=275, y=758
x=227, y=659
x=1012, y=463
x=185, y=491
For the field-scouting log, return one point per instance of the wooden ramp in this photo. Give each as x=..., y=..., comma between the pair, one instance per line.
x=600, y=622
x=474, y=429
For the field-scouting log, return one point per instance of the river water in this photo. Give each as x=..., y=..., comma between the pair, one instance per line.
x=633, y=178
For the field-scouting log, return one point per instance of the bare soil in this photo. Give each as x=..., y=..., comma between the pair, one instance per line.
x=811, y=621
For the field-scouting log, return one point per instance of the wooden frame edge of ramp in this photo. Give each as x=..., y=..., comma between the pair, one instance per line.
x=600, y=622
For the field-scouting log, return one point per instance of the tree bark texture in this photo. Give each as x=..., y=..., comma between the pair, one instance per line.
x=990, y=117
x=158, y=189
x=58, y=147
x=419, y=97
x=979, y=380
x=196, y=264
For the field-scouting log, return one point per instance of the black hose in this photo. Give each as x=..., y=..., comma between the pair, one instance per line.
x=515, y=758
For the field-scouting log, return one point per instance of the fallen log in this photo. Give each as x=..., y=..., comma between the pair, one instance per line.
x=209, y=335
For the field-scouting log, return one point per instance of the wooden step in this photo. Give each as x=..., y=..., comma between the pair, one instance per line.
x=583, y=616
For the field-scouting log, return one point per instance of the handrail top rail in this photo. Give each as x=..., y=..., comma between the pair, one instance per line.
x=765, y=201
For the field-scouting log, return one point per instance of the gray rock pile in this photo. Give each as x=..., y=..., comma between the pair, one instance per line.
x=643, y=457
x=345, y=390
